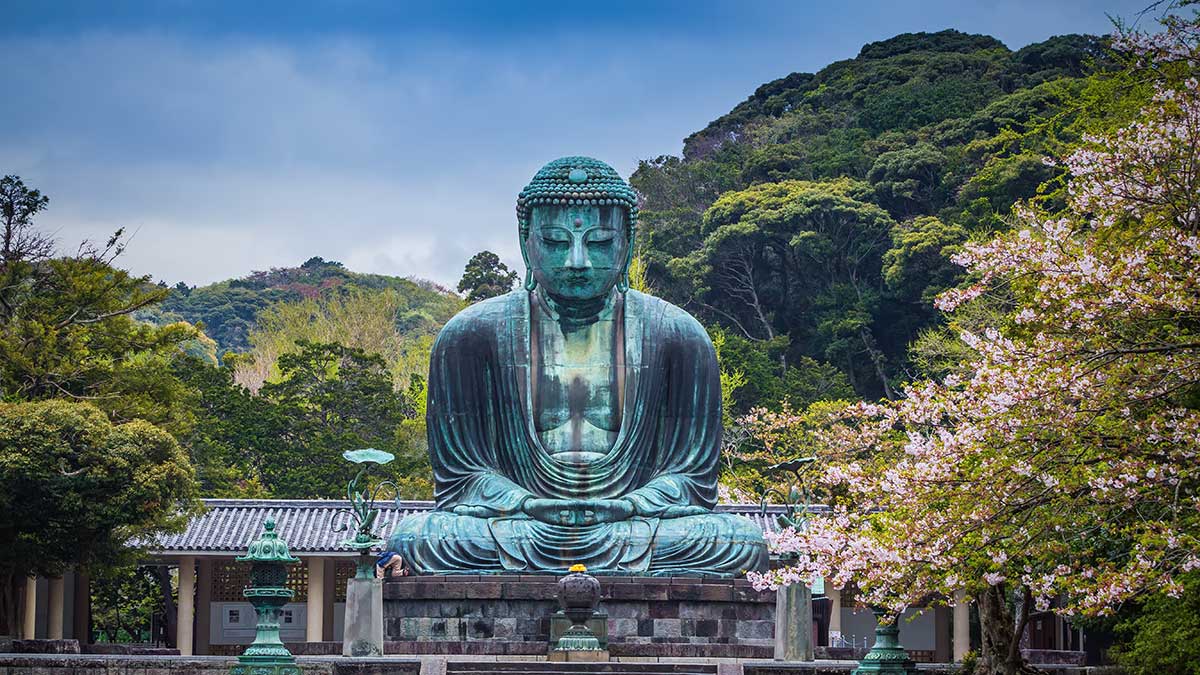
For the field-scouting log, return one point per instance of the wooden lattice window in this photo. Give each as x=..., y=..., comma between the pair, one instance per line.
x=298, y=580
x=230, y=578
x=343, y=571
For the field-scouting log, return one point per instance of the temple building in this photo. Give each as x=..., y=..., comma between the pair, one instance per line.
x=213, y=618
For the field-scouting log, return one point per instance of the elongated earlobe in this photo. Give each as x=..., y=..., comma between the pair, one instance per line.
x=530, y=282
x=623, y=282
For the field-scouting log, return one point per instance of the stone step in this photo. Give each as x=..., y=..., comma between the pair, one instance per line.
x=558, y=668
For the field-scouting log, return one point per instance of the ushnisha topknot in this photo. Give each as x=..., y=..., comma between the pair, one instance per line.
x=570, y=181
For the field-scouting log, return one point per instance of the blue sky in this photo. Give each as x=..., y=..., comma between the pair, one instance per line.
x=393, y=136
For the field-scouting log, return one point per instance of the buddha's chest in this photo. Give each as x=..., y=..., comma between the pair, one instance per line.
x=578, y=378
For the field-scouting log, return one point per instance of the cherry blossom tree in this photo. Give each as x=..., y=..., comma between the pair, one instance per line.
x=1062, y=467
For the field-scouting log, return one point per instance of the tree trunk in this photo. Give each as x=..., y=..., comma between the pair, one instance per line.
x=1000, y=652
x=9, y=598
x=163, y=574
x=876, y=358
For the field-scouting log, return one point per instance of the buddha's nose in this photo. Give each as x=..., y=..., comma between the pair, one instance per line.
x=578, y=259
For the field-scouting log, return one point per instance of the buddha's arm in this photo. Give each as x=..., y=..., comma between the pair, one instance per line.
x=688, y=440
x=664, y=497
x=489, y=495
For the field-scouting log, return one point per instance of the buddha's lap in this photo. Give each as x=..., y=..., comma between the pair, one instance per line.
x=447, y=528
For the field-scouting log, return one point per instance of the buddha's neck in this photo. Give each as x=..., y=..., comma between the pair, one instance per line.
x=575, y=312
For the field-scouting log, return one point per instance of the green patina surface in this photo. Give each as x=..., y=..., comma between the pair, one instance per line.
x=268, y=593
x=575, y=421
x=887, y=655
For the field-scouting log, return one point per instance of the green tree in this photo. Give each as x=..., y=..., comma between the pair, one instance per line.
x=76, y=490
x=909, y=181
x=762, y=383
x=486, y=277
x=19, y=242
x=371, y=320
x=332, y=398
x=234, y=434
x=918, y=264
x=124, y=601
x=1163, y=636
x=802, y=259
x=67, y=325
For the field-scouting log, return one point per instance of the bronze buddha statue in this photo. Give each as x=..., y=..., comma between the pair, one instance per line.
x=576, y=421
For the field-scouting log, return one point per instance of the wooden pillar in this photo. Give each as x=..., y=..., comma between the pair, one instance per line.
x=942, y=634
x=29, y=611
x=314, y=629
x=81, y=619
x=204, y=574
x=185, y=605
x=962, y=625
x=54, y=608
x=835, y=612
x=330, y=574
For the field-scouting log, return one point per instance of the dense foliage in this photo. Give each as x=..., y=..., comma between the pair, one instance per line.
x=824, y=209
x=1057, y=460
x=486, y=277
x=1163, y=636
x=76, y=489
x=229, y=309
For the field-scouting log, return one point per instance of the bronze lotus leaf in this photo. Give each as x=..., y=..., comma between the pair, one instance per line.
x=368, y=455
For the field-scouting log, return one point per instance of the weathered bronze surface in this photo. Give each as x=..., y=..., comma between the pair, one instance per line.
x=575, y=421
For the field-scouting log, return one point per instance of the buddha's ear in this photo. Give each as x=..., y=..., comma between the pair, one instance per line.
x=630, y=234
x=530, y=282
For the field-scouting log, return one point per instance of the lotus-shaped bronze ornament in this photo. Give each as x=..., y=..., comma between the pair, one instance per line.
x=362, y=511
x=368, y=456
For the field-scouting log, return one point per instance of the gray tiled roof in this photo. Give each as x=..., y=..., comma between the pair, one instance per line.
x=227, y=525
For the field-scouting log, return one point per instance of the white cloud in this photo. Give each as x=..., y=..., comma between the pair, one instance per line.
x=402, y=155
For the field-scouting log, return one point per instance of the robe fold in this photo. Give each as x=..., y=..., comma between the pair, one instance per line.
x=487, y=456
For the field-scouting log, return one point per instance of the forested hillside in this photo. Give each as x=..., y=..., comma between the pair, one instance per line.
x=228, y=308
x=814, y=222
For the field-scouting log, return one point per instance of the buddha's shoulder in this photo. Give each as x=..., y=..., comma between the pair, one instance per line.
x=483, y=318
x=669, y=316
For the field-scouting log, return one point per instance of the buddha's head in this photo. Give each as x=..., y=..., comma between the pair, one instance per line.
x=577, y=219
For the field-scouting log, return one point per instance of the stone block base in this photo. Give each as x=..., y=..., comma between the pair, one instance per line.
x=514, y=615
x=45, y=646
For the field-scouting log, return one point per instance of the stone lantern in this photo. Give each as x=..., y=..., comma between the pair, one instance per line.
x=268, y=592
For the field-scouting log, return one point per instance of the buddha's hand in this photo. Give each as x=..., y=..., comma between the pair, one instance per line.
x=578, y=512
x=473, y=511
x=683, y=511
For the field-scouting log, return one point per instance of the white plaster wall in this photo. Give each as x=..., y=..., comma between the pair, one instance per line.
x=339, y=621
x=916, y=628
x=232, y=623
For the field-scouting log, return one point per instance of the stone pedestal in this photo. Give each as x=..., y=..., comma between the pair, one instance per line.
x=598, y=624
x=793, y=623
x=514, y=615
x=363, y=635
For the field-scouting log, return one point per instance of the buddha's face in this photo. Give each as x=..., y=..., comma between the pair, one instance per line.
x=577, y=252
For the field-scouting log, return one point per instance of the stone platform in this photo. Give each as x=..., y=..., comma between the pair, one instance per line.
x=512, y=615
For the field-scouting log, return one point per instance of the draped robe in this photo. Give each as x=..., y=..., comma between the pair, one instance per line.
x=487, y=456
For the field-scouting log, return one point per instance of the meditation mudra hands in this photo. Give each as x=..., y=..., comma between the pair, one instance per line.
x=579, y=512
